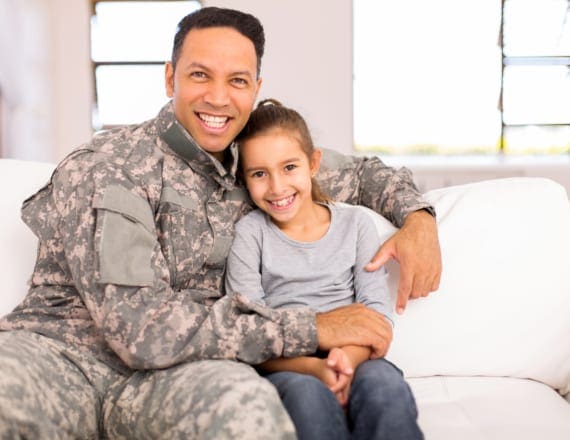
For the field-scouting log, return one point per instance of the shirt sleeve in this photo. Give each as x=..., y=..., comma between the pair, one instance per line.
x=369, y=182
x=111, y=246
x=371, y=288
x=243, y=266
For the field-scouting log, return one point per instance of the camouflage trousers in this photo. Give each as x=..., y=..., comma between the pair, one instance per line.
x=51, y=391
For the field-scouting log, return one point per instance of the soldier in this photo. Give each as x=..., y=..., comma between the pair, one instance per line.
x=125, y=331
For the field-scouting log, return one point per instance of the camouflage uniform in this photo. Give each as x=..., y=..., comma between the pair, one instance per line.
x=127, y=293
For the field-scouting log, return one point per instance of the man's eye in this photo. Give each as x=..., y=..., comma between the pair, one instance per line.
x=199, y=75
x=239, y=82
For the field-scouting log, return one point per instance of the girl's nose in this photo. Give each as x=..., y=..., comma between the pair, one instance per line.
x=276, y=184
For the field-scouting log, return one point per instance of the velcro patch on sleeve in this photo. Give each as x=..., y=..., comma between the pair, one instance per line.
x=127, y=238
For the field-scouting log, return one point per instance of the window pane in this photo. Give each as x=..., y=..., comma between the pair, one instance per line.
x=537, y=28
x=537, y=139
x=136, y=31
x=427, y=76
x=129, y=94
x=536, y=95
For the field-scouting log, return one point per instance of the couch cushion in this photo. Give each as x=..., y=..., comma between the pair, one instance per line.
x=475, y=408
x=18, y=180
x=503, y=305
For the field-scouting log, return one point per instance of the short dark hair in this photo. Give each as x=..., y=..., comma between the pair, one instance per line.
x=246, y=24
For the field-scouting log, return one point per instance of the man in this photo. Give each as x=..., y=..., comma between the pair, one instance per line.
x=125, y=332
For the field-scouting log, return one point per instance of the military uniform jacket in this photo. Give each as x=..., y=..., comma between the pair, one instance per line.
x=134, y=229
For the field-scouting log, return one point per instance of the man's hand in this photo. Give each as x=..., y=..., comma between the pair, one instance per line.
x=354, y=324
x=416, y=247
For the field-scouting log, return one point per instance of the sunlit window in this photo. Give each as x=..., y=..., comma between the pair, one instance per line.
x=462, y=76
x=130, y=41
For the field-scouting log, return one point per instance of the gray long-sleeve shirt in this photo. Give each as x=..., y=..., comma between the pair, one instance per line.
x=271, y=268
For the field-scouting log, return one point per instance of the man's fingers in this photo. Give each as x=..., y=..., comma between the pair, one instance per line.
x=405, y=286
x=384, y=254
x=379, y=351
x=401, y=305
x=435, y=282
x=353, y=325
x=424, y=285
x=421, y=287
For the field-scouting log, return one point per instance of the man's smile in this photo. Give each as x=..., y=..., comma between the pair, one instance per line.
x=213, y=121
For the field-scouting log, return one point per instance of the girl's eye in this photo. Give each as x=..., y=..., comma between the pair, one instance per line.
x=290, y=167
x=257, y=174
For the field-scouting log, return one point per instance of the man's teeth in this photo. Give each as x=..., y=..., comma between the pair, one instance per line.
x=213, y=121
x=283, y=202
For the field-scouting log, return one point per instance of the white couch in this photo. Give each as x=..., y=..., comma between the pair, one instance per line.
x=488, y=355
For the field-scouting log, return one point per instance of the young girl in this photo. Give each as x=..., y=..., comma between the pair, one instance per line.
x=300, y=249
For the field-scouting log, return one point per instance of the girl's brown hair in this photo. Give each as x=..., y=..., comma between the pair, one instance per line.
x=270, y=114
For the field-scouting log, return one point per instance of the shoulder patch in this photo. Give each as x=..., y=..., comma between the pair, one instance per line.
x=126, y=238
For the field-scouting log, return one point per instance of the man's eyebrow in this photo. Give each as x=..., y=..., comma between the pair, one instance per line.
x=195, y=64
x=243, y=73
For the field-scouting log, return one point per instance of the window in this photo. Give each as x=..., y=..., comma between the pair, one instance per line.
x=130, y=42
x=459, y=77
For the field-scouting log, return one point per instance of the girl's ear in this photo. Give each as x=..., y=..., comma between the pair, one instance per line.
x=315, y=162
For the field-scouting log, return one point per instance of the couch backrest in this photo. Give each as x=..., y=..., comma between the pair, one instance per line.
x=503, y=306
x=18, y=180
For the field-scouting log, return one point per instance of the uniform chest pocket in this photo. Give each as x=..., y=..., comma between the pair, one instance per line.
x=185, y=235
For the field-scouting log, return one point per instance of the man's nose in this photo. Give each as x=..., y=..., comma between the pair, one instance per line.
x=217, y=94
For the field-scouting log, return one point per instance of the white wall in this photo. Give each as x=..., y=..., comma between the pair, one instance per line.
x=308, y=61
x=45, y=77
x=73, y=81
x=25, y=78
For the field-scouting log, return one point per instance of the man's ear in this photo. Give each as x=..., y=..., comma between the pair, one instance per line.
x=258, y=87
x=169, y=79
x=316, y=157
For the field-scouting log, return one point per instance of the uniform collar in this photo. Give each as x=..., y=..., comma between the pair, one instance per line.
x=183, y=144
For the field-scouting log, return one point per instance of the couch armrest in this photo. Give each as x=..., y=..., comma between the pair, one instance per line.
x=504, y=300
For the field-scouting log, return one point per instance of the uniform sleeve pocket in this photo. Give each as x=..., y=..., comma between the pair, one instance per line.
x=126, y=238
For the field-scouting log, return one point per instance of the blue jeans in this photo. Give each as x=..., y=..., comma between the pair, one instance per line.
x=381, y=405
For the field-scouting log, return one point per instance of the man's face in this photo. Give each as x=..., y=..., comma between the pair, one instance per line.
x=214, y=86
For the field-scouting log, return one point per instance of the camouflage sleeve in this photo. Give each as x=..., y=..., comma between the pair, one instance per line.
x=368, y=181
x=145, y=322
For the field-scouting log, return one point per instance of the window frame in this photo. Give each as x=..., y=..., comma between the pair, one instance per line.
x=520, y=121
x=524, y=60
x=97, y=64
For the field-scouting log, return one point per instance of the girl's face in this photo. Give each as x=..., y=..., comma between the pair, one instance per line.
x=278, y=175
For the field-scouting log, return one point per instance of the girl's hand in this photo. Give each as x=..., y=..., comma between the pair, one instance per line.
x=339, y=364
